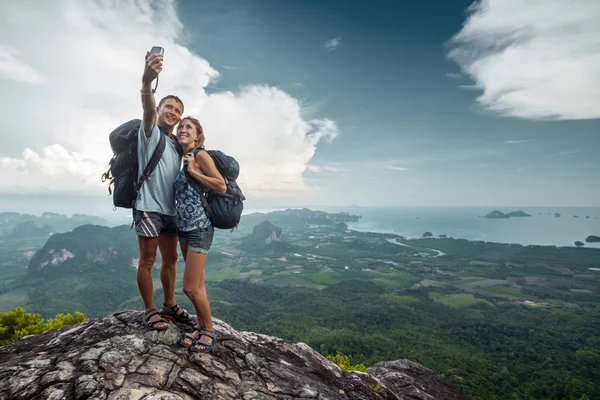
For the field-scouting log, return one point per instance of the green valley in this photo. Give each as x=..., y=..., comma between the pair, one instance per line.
x=502, y=321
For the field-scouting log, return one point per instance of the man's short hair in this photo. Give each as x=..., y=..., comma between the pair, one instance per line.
x=171, y=96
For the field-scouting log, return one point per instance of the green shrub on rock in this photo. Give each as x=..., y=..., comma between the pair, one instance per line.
x=16, y=324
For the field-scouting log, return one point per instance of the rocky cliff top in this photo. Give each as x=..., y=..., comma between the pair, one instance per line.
x=116, y=357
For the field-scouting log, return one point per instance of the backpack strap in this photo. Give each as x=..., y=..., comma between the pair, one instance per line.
x=151, y=166
x=212, y=153
x=207, y=192
x=196, y=185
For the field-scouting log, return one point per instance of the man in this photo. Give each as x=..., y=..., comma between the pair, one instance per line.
x=154, y=212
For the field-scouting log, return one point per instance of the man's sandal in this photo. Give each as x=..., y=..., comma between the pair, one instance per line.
x=152, y=324
x=172, y=313
x=207, y=346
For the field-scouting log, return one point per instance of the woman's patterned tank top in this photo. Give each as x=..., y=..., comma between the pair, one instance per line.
x=191, y=214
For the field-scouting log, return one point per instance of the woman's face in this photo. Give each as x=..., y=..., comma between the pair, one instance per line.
x=186, y=133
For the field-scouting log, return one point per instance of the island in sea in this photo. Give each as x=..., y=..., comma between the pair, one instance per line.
x=499, y=214
x=593, y=239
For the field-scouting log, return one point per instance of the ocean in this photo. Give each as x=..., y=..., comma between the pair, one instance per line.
x=542, y=228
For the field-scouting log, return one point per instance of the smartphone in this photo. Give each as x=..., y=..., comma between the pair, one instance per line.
x=157, y=50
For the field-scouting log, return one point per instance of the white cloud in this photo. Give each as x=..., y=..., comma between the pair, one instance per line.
x=533, y=59
x=329, y=167
x=453, y=76
x=568, y=152
x=332, y=44
x=87, y=57
x=13, y=68
x=520, y=141
x=395, y=168
x=418, y=160
x=55, y=168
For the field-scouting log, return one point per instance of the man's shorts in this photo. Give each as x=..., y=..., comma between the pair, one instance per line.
x=153, y=224
x=199, y=240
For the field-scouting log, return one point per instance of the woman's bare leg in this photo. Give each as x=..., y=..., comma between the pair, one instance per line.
x=195, y=289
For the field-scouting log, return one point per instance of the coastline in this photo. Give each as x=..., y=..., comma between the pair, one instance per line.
x=482, y=239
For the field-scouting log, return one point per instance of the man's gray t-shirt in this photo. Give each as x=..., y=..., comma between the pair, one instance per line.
x=157, y=193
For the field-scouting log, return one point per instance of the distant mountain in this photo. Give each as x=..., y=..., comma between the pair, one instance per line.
x=87, y=243
x=9, y=220
x=265, y=238
x=300, y=219
x=263, y=234
x=49, y=222
x=31, y=230
x=499, y=214
x=306, y=213
x=95, y=265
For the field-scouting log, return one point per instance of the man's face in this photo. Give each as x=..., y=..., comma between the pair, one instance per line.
x=169, y=113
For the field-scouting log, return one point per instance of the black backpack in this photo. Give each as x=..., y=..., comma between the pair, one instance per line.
x=123, y=167
x=223, y=210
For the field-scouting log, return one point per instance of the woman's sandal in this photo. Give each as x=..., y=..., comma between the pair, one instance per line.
x=207, y=346
x=190, y=336
x=172, y=313
x=152, y=324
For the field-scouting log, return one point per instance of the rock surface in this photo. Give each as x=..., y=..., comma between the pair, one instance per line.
x=117, y=358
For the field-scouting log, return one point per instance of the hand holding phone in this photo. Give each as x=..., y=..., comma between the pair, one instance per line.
x=154, y=60
x=157, y=50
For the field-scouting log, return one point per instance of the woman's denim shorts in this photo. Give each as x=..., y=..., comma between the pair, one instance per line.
x=199, y=240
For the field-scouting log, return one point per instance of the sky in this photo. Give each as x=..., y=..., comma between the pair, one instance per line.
x=378, y=103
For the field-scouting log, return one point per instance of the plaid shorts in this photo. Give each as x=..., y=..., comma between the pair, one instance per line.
x=153, y=224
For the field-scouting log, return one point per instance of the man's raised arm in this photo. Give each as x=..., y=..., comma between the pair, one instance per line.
x=151, y=71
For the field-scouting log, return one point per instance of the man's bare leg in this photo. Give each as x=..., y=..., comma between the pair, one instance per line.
x=147, y=255
x=168, y=274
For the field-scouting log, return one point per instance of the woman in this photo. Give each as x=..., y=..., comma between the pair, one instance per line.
x=194, y=228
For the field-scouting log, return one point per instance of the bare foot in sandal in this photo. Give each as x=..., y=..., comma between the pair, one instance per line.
x=188, y=339
x=201, y=341
x=205, y=342
x=154, y=321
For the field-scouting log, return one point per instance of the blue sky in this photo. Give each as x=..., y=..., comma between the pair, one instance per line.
x=396, y=96
x=379, y=103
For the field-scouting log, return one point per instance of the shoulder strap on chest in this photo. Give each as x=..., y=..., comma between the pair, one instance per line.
x=158, y=152
x=198, y=150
